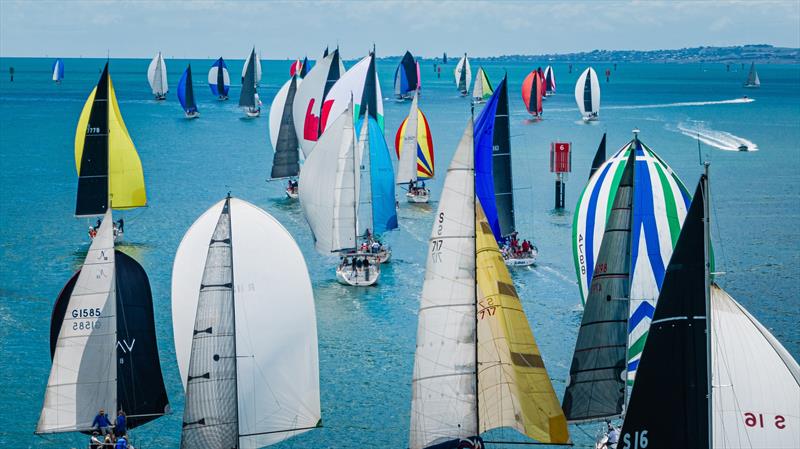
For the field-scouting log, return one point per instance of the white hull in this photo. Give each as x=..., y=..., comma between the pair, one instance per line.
x=522, y=259
x=590, y=118
x=418, y=198
x=251, y=113
x=293, y=194
x=192, y=114
x=160, y=97
x=359, y=277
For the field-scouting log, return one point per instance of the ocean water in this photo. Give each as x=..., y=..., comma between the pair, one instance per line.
x=367, y=336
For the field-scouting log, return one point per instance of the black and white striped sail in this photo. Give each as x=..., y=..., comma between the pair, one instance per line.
x=587, y=93
x=596, y=387
x=282, y=133
x=251, y=74
x=157, y=76
x=463, y=74
x=249, y=382
x=755, y=382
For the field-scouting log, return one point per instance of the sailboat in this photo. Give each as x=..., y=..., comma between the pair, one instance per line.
x=494, y=180
x=532, y=93
x=660, y=204
x=286, y=162
x=549, y=81
x=406, y=77
x=157, y=77
x=587, y=94
x=251, y=75
x=414, y=147
x=752, y=77
x=186, y=94
x=103, y=344
x=483, y=87
x=219, y=80
x=711, y=375
x=477, y=367
x=58, y=70
x=444, y=58
x=299, y=67
x=463, y=75
x=109, y=170
x=247, y=384
x=310, y=110
x=330, y=200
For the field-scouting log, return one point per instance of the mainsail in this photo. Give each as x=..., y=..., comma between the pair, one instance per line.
x=483, y=87
x=476, y=366
x=285, y=163
x=219, y=80
x=752, y=77
x=414, y=133
x=157, y=76
x=406, y=76
x=58, y=70
x=587, y=93
x=310, y=110
x=108, y=166
x=532, y=93
x=247, y=385
x=360, y=84
x=249, y=97
x=186, y=91
x=253, y=60
x=596, y=387
x=463, y=75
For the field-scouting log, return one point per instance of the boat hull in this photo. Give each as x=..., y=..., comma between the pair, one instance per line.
x=418, y=198
x=191, y=115
x=292, y=194
x=521, y=260
x=359, y=277
x=252, y=114
x=161, y=97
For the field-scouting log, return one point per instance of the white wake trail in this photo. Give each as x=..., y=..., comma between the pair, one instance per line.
x=682, y=104
x=718, y=139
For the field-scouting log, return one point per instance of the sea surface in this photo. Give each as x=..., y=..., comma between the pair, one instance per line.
x=367, y=335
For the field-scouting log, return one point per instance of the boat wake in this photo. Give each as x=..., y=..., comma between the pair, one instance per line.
x=683, y=104
x=717, y=139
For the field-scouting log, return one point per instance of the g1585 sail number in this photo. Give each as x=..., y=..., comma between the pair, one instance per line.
x=86, y=324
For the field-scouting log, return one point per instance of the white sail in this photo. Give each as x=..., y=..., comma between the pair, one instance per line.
x=407, y=163
x=352, y=86
x=83, y=377
x=157, y=75
x=463, y=64
x=213, y=73
x=477, y=90
x=549, y=74
x=443, y=398
x=329, y=196
x=257, y=68
x=276, y=110
x=588, y=101
x=307, y=108
x=277, y=364
x=756, y=382
x=364, y=182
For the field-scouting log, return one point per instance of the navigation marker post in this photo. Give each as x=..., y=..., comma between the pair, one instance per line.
x=560, y=164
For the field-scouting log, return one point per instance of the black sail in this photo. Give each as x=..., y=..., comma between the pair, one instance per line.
x=596, y=388
x=369, y=98
x=669, y=400
x=599, y=156
x=221, y=77
x=304, y=68
x=462, y=80
x=409, y=66
x=92, y=198
x=501, y=163
x=587, y=93
x=140, y=385
x=248, y=95
x=333, y=75
x=285, y=163
x=190, y=104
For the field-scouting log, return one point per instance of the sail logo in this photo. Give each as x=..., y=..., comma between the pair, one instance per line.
x=125, y=346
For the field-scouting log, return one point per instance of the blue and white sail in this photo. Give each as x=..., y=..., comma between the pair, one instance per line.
x=218, y=79
x=380, y=178
x=58, y=70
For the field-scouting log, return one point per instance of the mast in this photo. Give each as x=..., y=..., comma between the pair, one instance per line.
x=356, y=175
x=707, y=291
x=475, y=272
x=233, y=310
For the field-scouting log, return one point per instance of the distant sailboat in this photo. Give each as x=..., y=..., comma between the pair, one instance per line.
x=532, y=93
x=109, y=170
x=494, y=178
x=247, y=384
x=587, y=94
x=251, y=74
x=477, y=366
x=752, y=77
x=549, y=81
x=444, y=58
x=311, y=107
x=711, y=375
x=58, y=70
x=414, y=147
x=286, y=162
x=219, y=80
x=483, y=87
x=157, y=77
x=330, y=199
x=463, y=75
x=406, y=77
x=103, y=344
x=186, y=94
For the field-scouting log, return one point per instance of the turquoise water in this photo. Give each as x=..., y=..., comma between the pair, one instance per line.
x=367, y=336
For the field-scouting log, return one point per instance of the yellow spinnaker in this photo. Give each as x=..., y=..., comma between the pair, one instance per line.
x=514, y=389
x=125, y=175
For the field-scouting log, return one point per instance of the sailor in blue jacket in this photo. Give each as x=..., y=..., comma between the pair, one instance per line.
x=101, y=423
x=121, y=425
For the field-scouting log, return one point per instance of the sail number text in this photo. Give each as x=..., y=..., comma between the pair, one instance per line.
x=639, y=440
x=581, y=257
x=89, y=323
x=757, y=420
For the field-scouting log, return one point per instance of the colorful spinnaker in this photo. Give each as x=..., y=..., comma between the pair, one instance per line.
x=532, y=93
x=463, y=75
x=109, y=170
x=659, y=208
x=483, y=87
x=311, y=108
x=406, y=77
x=157, y=77
x=58, y=70
x=186, y=94
x=477, y=366
x=414, y=134
x=587, y=94
x=219, y=80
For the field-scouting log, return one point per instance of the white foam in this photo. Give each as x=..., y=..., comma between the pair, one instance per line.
x=718, y=139
x=683, y=104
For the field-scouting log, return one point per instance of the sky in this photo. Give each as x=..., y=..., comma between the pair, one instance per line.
x=289, y=29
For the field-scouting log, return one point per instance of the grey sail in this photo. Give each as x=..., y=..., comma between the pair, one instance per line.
x=752, y=77
x=287, y=156
x=248, y=96
x=210, y=417
x=596, y=388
